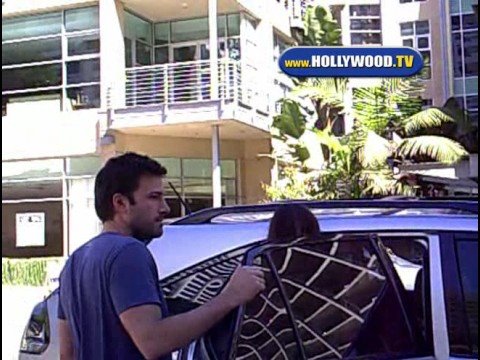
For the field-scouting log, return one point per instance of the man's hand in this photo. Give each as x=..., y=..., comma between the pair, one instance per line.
x=245, y=283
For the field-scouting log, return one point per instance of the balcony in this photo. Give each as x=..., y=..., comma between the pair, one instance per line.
x=185, y=82
x=182, y=92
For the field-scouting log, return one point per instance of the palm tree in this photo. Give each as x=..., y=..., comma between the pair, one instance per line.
x=391, y=124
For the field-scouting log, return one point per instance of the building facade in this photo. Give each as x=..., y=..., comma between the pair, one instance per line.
x=191, y=83
x=445, y=32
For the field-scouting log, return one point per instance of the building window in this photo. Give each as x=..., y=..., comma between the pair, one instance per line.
x=465, y=56
x=409, y=1
x=192, y=179
x=465, y=45
x=148, y=43
x=365, y=25
x=427, y=103
x=34, y=61
x=417, y=35
x=279, y=46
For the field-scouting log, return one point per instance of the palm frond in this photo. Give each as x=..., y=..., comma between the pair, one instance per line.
x=375, y=150
x=438, y=148
x=429, y=118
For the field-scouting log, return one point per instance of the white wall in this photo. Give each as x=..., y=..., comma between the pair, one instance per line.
x=32, y=131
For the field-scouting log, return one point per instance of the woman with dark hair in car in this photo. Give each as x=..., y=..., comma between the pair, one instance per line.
x=292, y=221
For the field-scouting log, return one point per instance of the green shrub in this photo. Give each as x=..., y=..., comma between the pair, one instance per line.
x=28, y=272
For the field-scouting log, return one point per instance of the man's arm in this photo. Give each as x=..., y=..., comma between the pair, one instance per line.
x=66, y=340
x=155, y=336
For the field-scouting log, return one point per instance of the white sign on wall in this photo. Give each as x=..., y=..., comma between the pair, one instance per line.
x=30, y=229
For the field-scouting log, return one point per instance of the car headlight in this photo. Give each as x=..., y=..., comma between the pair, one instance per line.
x=36, y=336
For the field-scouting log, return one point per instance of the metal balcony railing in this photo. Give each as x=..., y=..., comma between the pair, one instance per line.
x=182, y=83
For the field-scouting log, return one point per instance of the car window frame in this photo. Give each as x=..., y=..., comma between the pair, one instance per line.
x=375, y=239
x=452, y=281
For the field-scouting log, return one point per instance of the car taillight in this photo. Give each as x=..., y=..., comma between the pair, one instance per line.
x=36, y=336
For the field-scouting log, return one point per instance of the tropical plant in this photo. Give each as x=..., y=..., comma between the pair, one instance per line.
x=320, y=28
x=391, y=124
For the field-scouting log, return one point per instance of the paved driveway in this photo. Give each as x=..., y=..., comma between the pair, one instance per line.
x=17, y=304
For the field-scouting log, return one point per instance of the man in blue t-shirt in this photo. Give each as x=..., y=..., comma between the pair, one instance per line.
x=110, y=305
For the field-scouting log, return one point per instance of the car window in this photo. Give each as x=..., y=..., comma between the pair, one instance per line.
x=325, y=299
x=198, y=284
x=410, y=258
x=460, y=280
x=467, y=257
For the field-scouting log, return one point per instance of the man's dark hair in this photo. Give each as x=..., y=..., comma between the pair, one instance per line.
x=121, y=175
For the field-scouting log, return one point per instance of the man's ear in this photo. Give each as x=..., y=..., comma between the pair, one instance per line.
x=121, y=204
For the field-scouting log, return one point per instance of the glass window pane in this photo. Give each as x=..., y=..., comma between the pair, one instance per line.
x=85, y=97
x=455, y=22
x=470, y=40
x=454, y=6
x=31, y=26
x=162, y=33
x=233, y=25
x=470, y=21
x=365, y=10
x=32, y=51
x=128, y=52
x=426, y=56
x=222, y=26
x=18, y=170
x=422, y=27
x=408, y=42
x=426, y=72
x=423, y=43
x=136, y=28
x=365, y=24
x=32, y=77
x=406, y=29
x=81, y=45
x=229, y=188
x=88, y=165
x=467, y=6
x=186, y=30
x=172, y=165
x=197, y=168
x=471, y=85
x=82, y=19
x=365, y=38
x=161, y=55
x=144, y=54
x=83, y=71
x=228, y=168
x=472, y=102
x=234, y=51
x=458, y=87
x=197, y=187
x=457, y=55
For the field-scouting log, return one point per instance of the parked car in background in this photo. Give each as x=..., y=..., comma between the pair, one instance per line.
x=391, y=279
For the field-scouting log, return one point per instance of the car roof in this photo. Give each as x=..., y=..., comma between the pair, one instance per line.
x=183, y=246
x=362, y=207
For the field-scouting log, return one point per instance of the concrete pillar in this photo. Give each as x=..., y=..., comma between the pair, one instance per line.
x=83, y=222
x=112, y=54
x=213, y=42
x=216, y=170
